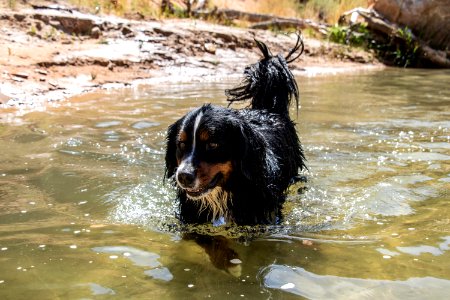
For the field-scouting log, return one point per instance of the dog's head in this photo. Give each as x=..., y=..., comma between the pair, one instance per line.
x=206, y=147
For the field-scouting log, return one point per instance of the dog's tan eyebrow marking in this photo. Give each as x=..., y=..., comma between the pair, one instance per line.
x=182, y=135
x=204, y=135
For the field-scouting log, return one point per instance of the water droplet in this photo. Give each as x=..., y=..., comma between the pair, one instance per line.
x=107, y=124
x=236, y=261
x=288, y=285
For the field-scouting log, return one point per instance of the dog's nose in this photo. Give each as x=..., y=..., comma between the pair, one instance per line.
x=186, y=178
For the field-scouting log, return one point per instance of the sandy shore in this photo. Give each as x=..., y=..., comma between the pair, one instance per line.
x=50, y=55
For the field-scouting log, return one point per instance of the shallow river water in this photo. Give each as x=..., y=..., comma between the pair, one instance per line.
x=85, y=214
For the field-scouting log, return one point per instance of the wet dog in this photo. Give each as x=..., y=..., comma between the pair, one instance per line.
x=234, y=166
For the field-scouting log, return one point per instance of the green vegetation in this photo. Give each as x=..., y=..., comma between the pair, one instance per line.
x=52, y=34
x=357, y=35
x=401, y=49
x=32, y=31
x=12, y=4
x=406, y=53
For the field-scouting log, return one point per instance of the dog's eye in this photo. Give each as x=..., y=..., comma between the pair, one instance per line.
x=211, y=146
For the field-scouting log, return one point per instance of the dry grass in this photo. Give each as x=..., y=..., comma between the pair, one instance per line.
x=148, y=8
x=328, y=11
x=282, y=8
x=325, y=10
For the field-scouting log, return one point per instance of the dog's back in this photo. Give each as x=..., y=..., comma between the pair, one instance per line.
x=271, y=86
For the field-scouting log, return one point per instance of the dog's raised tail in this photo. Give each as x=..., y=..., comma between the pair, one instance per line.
x=269, y=83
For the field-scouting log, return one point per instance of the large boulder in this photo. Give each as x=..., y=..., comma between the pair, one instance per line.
x=428, y=19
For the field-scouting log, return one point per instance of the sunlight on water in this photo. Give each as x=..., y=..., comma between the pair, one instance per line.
x=147, y=204
x=85, y=207
x=300, y=282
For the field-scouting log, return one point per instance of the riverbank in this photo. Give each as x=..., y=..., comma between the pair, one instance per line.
x=49, y=55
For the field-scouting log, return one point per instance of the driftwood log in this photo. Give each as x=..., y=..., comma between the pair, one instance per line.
x=283, y=23
x=376, y=22
x=262, y=21
x=428, y=19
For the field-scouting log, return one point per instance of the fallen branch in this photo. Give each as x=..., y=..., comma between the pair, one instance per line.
x=52, y=7
x=232, y=14
x=292, y=23
x=376, y=22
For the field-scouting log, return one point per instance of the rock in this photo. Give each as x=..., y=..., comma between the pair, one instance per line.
x=19, y=17
x=164, y=32
x=110, y=66
x=127, y=31
x=40, y=71
x=68, y=23
x=307, y=242
x=20, y=75
x=4, y=98
x=96, y=32
x=210, y=48
x=38, y=25
x=16, y=79
x=53, y=84
x=428, y=19
x=54, y=23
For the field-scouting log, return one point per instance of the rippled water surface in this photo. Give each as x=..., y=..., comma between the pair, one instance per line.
x=84, y=211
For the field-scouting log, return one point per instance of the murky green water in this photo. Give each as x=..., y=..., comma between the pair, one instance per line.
x=84, y=212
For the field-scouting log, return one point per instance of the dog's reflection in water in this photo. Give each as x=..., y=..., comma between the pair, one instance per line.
x=218, y=248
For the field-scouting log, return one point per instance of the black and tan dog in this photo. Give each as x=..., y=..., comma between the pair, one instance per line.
x=234, y=166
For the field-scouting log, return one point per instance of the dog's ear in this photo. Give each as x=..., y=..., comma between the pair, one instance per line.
x=252, y=151
x=171, y=149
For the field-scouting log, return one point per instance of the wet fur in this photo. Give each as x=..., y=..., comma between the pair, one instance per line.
x=259, y=145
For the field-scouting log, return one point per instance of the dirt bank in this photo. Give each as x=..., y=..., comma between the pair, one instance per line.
x=52, y=54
